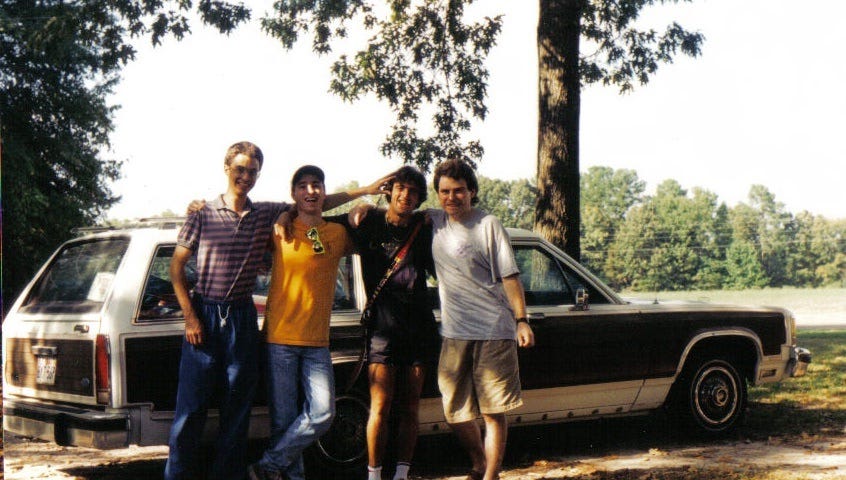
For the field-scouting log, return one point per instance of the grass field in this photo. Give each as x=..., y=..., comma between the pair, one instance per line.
x=809, y=405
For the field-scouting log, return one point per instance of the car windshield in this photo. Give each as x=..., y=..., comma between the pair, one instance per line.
x=78, y=279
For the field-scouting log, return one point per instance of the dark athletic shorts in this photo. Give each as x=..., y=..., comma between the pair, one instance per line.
x=402, y=352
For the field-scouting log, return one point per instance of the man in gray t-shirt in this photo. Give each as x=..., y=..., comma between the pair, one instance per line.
x=483, y=318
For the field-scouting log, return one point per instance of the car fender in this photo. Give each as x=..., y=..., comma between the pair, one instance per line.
x=701, y=338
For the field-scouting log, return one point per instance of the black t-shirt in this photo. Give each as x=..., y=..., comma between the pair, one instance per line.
x=402, y=306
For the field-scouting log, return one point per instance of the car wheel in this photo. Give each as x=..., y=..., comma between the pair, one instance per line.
x=714, y=396
x=344, y=446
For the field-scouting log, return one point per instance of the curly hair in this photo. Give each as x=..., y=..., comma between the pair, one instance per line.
x=412, y=176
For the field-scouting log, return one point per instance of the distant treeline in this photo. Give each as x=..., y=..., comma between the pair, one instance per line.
x=685, y=240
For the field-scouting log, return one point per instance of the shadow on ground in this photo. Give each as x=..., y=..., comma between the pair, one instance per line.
x=556, y=447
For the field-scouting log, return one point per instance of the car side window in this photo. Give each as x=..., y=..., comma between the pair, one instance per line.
x=345, y=285
x=547, y=281
x=158, y=301
x=542, y=277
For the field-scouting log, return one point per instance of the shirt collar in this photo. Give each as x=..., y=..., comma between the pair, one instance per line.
x=219, y=204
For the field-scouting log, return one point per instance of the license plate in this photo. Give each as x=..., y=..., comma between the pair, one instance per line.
x=46, y=374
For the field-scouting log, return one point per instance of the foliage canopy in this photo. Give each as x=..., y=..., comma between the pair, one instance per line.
x=59, y=61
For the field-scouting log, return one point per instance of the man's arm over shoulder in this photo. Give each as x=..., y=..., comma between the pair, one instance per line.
x=275, y=208
x=353, y=233
x=347, y=239
x=341, y=219
x=378, y=187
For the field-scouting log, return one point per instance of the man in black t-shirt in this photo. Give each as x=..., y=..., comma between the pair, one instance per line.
x=403, y=338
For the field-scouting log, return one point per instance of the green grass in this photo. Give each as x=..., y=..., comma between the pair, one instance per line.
x=811, y=405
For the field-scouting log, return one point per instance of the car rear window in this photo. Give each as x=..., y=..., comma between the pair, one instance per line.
x=78, y=279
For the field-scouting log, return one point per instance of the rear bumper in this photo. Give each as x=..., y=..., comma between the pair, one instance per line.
x=66, y=425
x=800, y=358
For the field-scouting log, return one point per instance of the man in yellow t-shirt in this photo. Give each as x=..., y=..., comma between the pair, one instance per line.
x=299, y=307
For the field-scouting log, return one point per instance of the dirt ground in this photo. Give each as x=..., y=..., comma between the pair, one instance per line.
x=617, y=449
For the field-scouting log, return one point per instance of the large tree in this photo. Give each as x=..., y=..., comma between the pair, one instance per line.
x=425, y=56
x=59, y=60
x=621, y=54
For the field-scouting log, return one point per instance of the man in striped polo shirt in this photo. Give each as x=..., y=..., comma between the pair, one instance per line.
x=220, y=350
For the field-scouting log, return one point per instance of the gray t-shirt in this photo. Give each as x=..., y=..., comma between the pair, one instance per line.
x=471, y=258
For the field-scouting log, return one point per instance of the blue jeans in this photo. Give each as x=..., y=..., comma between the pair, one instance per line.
x=301, y=388
x=225, y=367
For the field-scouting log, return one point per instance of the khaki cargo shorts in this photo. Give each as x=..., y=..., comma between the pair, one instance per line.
x=478, y=376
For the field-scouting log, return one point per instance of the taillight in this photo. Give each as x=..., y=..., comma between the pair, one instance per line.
x=103, y=357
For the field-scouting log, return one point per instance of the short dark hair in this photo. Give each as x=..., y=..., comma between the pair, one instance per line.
x=246, y=148
x=413, y=176
x=307, y=170
x=459, y=170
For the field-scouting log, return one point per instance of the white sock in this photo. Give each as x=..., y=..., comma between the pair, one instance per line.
x=374, y=473
x=402, y=471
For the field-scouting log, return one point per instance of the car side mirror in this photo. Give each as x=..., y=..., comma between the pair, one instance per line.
x=581, y=300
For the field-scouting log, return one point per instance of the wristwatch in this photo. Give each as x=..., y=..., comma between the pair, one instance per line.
x=522, y=319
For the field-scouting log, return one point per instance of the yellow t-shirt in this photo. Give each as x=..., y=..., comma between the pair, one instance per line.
x=302, y=285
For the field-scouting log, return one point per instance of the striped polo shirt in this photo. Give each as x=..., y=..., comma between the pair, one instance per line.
x=229, y=247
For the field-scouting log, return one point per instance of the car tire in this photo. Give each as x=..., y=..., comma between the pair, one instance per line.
x=343, y=449
x=712, y=396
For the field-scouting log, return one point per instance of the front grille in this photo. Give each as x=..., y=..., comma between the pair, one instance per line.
x=74, y=365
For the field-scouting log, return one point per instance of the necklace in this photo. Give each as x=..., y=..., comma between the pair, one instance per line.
x=395, y=232
x=393, y=238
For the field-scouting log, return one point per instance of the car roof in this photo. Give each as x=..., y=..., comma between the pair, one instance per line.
x=521, y=233
x=166, y=228
x=154, y=229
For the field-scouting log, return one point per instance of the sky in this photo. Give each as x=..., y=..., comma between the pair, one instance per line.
x=763, y=104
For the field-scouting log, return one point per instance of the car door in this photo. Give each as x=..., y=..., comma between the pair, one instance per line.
x=606, y=343
x=152, y=350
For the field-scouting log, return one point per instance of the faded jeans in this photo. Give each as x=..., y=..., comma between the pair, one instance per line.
x=301, y=388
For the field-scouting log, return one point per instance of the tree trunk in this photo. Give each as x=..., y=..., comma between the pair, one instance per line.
x=557, y=211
